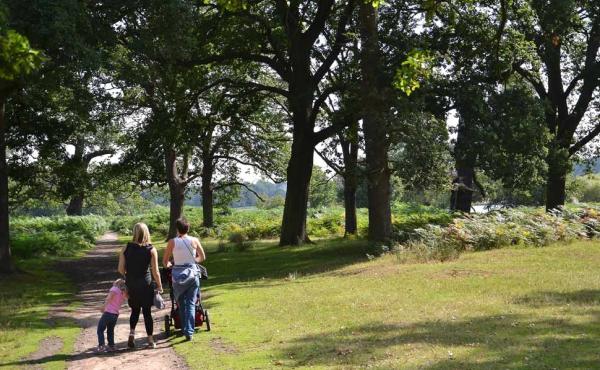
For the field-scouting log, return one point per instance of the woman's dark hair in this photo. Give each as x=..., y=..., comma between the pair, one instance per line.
x=182, y=225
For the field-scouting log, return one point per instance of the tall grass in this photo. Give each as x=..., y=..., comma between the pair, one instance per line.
x=54, y=236
x=519, y=226
x=253, y=224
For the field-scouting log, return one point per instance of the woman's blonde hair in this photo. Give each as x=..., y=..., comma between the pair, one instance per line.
x=141, y=234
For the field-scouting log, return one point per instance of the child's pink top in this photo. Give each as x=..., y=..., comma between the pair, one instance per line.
x=116, y=301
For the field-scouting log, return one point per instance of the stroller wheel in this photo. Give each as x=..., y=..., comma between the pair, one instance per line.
x=168, y=325
x=207, y=320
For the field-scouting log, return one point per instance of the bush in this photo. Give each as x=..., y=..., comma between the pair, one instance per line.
x=237, y=237
x=54, y=236
x=240, y=241
x=528, y=227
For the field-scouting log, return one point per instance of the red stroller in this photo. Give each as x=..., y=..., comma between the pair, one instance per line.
x=173, y=319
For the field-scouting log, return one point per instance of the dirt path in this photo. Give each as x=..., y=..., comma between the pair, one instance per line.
x=94, y=274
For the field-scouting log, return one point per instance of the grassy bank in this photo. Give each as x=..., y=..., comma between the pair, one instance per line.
x=329, y=306
x=26, y=299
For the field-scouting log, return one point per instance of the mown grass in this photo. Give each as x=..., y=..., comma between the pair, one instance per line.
x=26, y=299
x=328, y=306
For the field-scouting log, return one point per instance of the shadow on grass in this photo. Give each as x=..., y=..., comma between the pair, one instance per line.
x=493, y=342
x=266, y=260
x=584, y=297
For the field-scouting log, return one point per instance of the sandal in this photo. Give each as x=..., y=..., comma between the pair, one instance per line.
x=151, y=345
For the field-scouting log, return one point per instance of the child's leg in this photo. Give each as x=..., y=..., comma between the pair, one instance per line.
x=110, y=329
x=101, y=327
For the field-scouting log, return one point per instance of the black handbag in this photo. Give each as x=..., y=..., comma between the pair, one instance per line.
x=203, y=272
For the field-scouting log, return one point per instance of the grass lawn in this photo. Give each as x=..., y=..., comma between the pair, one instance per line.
x=25, y=300
x=328, y=306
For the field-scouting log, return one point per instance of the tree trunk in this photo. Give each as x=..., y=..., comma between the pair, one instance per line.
x=558, y=166
x=374, y=127
x=462, y=192
x=350, y=156
x=461, y=197
x=555, y=191
x=299, y=171
x=176, y=202
x=6, y=265
x=350, y=207
x=176, y=191
x=75, y=207
x=207, y=194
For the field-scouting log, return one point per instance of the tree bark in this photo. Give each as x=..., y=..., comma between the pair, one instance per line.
x=461, y=198
x=299, y=171
x=207, y=194
x=350, y=174
x=558, y=166
x=555, y=191
x=350, y=207
x=176, y=190
x=465, y=156
x=374, y=127
x=6, y=264
x=75, y=207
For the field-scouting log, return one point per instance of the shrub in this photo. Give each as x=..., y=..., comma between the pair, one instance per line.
x=222, y=247
x=237, y=237
x=499, y=229
x=54, y=236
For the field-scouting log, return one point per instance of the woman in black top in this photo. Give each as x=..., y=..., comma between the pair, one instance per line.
x=138, y=261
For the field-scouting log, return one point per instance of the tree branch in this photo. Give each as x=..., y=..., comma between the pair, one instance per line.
x=247, y=163
x=323, y=12
x=237, y=183
x=340, y=39
x=320, y=101
x=258, y=86
x=536, y=83
x=337, y=169
x=591, y=76
x=98, y=153
x=584, y=140
x=327, y=132
x=233, y=55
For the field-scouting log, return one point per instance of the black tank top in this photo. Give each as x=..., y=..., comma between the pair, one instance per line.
x=137, y=261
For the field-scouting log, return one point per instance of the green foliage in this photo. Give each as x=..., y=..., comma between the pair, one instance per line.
x=413, y=70
x=239, y=240
x=406, y=218
x=254, y=224
x=54, y=236
x=17, y=58
x=584, y=188
x=275, y=201
x=322, y=191
x=520, y=226
x=422, y=157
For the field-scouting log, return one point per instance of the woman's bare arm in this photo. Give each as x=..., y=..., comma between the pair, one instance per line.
x=200, y=255
x=168, y=253
x=154, y=268
x=121, y=267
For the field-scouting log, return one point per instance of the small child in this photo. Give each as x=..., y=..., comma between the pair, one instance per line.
x=110, y=313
